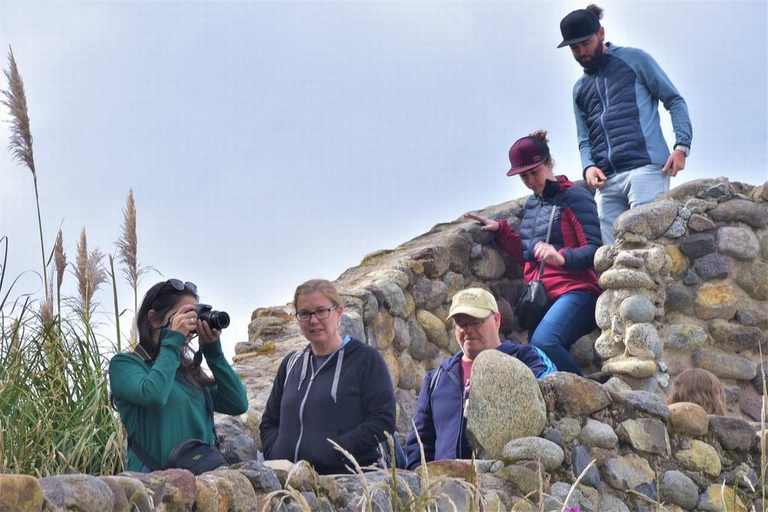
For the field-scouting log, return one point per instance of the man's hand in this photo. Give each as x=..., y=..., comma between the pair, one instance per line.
x=675, y=163
x=595, y=177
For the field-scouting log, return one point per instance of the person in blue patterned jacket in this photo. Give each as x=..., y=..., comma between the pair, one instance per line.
x=440, y=419
x=623, y=151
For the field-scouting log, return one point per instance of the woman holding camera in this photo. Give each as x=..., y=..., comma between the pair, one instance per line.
x=569, y=276
x=162, y=394
x=335, y=389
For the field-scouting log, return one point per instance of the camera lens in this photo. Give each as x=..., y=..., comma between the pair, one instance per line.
x=219, y=320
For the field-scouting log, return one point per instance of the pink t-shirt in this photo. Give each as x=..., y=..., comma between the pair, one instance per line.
x=466, y=373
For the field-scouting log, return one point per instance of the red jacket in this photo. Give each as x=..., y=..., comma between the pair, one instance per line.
x=575, y=235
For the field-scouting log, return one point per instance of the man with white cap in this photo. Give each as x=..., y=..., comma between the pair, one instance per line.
x=439, y=418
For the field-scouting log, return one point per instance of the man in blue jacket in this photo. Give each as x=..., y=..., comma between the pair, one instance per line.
x=616, y=102
x=439, y=419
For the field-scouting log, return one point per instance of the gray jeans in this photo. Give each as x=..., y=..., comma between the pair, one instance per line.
x=628, y=190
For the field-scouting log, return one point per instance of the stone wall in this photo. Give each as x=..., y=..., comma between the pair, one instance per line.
x=685, y=285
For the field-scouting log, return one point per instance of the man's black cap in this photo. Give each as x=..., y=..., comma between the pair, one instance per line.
x=578, y=26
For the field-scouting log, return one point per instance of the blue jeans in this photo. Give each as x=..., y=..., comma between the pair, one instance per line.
x=627, y=190
x=570, y=317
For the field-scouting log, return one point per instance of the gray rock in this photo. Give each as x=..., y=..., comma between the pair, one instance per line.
x=476, y=252
x=739, y=210
x=399, y=277
x=604, y=257
x=533, y=448
x=696, y=206
x=263, y=479
x=580, y=459
x=381, y=332
x=629, y=260
x=734, y=478
x=754, y=314
x=724, y=365
x=598, y=434
x=489, y=266
x=558, y=494
x=420, y=348
x=700, y=456
x=696, y=246
x=678, y=299
x=757, y=382
x=402, y=335
x=389, y=295
x=570, y=429
x=610, y=503
x=734, y=336
x=76, y=492
x=630, y=473
x=733, y=433
x=738, y=243
x=459, y=245
x=753, y=279
x=698, y=223
x=684, y=213
x=678, y=489
x=691, y=278
x=429, y=294
x=575, y=395
x=642, y=341
x=617, y=385
x=713, y=266
x=637, y=309
x=676, y=230
x=433, y=328
x=717, y=191
x=454, y=282
x=555, y=436
x=411, y=374
x=625, y=278
x=688, y=337
x=604, y=309
x=436, y=260
x=407, y=401
x=645, y=435
x=453, y=494
x=505, y=403
x=130, y=494
x=648, y=402
x=352, y=325
x=649, y=220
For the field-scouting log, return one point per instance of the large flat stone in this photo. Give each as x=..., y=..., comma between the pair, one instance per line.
x=630, y=473
x=575, y=395
x=725, y=365
x=505, y=403
x=649, y=220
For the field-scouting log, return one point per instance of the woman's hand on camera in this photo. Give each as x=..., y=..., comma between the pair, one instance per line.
x=184, y=320
x=488, y=224
x=206, y=335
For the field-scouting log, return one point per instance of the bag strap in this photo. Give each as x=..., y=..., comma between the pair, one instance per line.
x=549, y=232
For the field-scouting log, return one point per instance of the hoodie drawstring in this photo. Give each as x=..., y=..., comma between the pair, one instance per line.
x=335, y=385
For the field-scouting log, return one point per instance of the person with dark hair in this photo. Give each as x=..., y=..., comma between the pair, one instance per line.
x=701, y=387
x=336, y=389
x=616, y=102
x=569, y=275
x=440, y=424
x=159, y=389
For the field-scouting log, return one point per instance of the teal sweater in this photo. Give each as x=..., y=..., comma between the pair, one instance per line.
x=159, y=409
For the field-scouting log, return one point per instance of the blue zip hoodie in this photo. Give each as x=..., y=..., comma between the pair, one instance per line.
x=439, y=417
x=617, y=112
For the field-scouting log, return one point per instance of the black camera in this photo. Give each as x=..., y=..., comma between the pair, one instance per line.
x=216, y=319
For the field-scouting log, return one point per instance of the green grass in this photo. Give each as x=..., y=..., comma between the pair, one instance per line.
x=55, y=413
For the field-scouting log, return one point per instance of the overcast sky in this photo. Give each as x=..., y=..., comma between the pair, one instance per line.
x=268, y=143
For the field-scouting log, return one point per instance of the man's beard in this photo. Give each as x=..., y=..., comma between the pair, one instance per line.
x=594, y=61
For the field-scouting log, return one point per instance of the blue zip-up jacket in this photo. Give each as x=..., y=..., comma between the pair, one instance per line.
x=349, y=399
x=617, y=112
x=439, y=417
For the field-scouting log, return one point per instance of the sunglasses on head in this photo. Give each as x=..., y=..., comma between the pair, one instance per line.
x=177, y=285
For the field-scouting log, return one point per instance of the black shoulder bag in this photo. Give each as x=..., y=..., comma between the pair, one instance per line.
x=533, y=303
x=191, y=454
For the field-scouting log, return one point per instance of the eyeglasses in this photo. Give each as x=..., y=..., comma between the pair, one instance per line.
x=177, y=285
x=472, y=323
x=320, y=314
